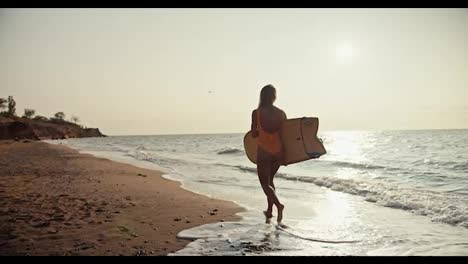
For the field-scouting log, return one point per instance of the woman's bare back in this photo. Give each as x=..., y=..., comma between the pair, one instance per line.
x=271, y=118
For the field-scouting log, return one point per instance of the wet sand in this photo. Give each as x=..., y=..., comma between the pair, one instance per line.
x=55, y=201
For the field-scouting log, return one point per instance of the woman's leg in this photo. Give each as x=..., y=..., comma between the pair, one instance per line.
x=264, y=175
x=274, y=166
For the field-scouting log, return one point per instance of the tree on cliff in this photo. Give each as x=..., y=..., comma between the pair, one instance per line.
x=59, y=115
x=29, y=113
x=11, y=106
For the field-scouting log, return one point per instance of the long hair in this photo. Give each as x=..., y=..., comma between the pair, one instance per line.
x=267, y=96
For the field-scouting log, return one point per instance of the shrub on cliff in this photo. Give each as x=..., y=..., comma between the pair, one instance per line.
x=59, y=116
x=40, y=118
x=75, y=119
x=3, y=102
x=29, y=113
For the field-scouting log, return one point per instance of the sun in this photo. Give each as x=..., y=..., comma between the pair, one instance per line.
x=344, y=52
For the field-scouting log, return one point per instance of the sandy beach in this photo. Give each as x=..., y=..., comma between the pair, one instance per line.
x=56, y=201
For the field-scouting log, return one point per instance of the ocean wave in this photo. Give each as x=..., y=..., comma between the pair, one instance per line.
x=230, y=151
x=160, y=159
x=440, y=207
x=448, y=165
x=461, y=167
x=245, y=168
x=341, y=164
x=356, y=165
x=142, y=155
x=454, y=165
x=141, y=147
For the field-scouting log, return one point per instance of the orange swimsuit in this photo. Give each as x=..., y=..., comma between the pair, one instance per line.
x=270, y=142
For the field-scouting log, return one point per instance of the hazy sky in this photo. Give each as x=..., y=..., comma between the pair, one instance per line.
x=149, y=71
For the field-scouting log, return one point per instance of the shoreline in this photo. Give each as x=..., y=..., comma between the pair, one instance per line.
x=57, y=201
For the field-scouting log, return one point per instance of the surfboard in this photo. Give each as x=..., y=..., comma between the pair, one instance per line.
x=299, y=138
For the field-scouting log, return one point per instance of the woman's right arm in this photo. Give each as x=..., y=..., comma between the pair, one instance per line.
x=284, y=118
x=284, y=115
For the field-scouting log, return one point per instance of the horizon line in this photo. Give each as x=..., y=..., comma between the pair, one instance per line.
x=327, y=130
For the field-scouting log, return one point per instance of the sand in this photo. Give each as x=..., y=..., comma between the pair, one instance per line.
x=56, y=201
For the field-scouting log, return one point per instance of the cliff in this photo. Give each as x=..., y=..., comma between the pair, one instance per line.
x=22, y=128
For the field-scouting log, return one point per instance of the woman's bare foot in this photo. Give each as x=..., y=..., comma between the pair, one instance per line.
x=280, y=213
x=268, y=216
x=282, y=225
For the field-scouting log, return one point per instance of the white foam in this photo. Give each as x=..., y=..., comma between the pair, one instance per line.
x=440, y=207
x=230, y=151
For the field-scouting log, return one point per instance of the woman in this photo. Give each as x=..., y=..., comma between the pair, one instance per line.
x=266, y=128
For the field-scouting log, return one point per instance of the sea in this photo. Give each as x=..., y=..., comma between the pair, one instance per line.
x=375, y=193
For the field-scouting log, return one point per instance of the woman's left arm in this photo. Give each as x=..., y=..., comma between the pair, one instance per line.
x=253, y=127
